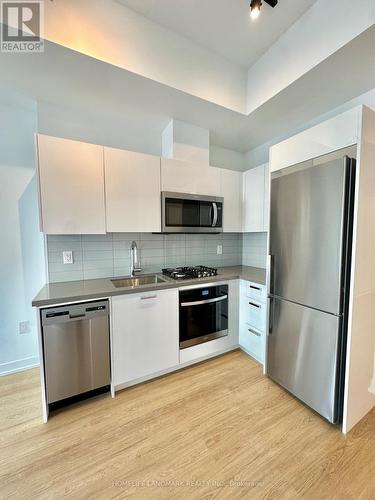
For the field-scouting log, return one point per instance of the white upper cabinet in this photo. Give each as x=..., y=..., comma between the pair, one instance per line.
x=231, y=190
x=254, y=200
x=132, y=187
x=71, y=186
x=182, y=177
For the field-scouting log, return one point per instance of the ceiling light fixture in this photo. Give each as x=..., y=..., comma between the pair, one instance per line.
x=255, y=6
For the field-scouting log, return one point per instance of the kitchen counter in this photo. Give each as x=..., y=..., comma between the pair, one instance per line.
x=72, y=291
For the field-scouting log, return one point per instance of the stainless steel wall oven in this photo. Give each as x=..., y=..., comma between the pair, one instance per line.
x=203, y=315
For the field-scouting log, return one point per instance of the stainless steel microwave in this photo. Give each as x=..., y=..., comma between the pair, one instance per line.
x=191, y=213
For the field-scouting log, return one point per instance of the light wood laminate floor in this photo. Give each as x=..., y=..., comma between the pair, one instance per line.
x=220, y=423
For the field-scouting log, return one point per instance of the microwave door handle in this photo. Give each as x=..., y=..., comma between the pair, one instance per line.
x=214, y=222
x=212, y=215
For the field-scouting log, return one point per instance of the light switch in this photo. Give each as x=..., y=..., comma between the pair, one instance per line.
x=219, y=249
x=68, y=257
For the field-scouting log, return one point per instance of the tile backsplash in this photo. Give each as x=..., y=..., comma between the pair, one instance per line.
x=254, y=249
x=101, y=256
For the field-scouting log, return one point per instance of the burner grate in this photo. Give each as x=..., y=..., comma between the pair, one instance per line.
x=190, y=272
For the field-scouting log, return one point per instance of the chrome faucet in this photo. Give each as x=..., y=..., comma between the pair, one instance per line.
x=134, y=260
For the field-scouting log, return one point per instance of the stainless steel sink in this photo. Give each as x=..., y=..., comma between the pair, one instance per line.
x=149, y=279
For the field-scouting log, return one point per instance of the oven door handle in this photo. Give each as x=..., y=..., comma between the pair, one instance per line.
x=200, y=302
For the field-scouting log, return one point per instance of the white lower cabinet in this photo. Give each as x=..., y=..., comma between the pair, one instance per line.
x=253, y=319
x=145, y=334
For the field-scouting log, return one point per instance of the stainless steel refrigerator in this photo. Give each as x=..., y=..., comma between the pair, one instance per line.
x=310, y=254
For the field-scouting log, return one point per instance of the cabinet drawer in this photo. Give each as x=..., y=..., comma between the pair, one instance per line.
x=256, y=315
x=252, y=341
x=256, y=292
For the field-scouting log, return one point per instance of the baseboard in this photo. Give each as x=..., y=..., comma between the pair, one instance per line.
x=252, y=356
x=18, y=365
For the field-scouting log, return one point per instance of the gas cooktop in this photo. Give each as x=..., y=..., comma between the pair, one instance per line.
x=188, y=273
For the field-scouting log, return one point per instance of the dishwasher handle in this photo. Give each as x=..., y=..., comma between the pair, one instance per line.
x=77, y=316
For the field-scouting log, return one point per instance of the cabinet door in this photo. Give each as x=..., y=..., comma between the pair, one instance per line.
x=253, y=200
x=132, y=187
x=71, y=181
x=144, y=334
x=183, y=177
x=231, y=190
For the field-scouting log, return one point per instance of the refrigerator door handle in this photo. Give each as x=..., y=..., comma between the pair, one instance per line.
x=271, y=314
x=271, y=274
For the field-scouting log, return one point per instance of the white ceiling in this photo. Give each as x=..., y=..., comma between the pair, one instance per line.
x=224, y=26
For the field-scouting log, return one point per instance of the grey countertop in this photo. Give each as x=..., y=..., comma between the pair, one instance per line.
x=71, y=291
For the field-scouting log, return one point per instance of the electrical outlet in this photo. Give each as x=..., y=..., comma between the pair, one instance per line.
x=219, y=250
x=68, y=257
x=24, y=327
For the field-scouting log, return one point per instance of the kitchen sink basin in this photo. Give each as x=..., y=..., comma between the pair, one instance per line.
x=150, y=279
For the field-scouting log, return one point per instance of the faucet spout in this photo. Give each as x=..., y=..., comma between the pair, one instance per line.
x=134, y=259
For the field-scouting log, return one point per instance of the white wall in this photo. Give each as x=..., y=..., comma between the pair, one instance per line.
x=260, y=154
x=113, y=33
x=117, y=131
x=187, y=142
x=226, y=158
x=22, y=270
x=359, y=398
x=120, y=132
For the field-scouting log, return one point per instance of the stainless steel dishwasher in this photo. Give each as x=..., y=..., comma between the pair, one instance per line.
x=76, y=351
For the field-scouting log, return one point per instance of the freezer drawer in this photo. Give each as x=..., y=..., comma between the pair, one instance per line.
x=302, y=354
x=76, y=349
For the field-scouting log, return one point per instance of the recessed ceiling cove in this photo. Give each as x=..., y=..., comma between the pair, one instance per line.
x=224, y=26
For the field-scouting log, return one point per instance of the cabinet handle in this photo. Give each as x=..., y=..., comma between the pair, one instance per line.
x=255, y=288
x=149, y=297
x=254, y=305
x=254, y=332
